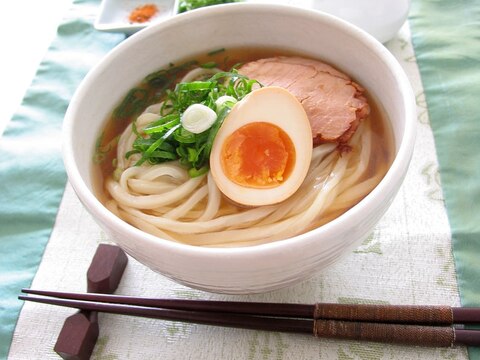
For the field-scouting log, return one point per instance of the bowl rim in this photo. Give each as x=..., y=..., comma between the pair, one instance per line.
x=400, y=161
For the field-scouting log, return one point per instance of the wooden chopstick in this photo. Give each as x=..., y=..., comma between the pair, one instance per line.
x=406, y=314
x=198, y=317
x=441, y=336
x=251, y=308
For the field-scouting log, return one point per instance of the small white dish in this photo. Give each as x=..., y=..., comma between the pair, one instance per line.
x=113, y=14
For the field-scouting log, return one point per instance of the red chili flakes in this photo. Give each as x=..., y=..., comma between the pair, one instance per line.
x=143, y=13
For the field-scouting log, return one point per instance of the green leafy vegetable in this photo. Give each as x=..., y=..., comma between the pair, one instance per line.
x=151, y=88
x=163, y=79
x=216, y=51
x=135, y=100
x=186, y=5
x=101, y=151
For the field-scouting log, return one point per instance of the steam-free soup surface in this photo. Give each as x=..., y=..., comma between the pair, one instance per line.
x=165, y=200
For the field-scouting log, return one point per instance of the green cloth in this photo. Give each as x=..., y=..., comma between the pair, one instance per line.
x=446, y=38
x=32, y=176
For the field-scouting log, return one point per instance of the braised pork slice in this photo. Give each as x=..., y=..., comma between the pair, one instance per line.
x=333, y=102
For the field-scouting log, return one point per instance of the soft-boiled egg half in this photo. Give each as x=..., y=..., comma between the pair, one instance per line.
x=262, y=152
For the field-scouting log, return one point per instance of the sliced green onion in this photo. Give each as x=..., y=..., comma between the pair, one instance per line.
x=195, y=86
x=183, y=136
x=215, y=52
x=189, y=118
x=225, y=100
x=214, y=130
x=163, y=155
x=197, y=172
x=161, y=127
x=198, y=118
x=135, y=100
x=155, y=145
x=209, y=65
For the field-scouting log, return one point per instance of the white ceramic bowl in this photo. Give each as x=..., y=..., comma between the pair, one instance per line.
x=264, y=267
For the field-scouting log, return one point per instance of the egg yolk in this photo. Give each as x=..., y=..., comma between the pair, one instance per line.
x=258, y=155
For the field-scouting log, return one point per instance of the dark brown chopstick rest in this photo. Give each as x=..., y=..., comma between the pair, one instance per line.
x=106, y=269
x=78, y=336
x=79, y=333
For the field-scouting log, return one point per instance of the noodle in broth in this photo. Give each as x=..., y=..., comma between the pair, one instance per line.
x=163, y=200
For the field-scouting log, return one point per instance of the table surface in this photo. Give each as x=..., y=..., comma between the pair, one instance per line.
x=407, y=260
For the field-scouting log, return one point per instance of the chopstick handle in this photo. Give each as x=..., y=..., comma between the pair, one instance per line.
x=410, y=314
x=436, y=336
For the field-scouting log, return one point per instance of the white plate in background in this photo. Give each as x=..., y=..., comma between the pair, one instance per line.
x=113, y=15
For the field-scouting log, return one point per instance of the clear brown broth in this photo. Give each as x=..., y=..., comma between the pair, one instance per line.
x=103, y=166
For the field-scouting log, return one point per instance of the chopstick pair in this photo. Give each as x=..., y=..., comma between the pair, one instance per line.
x=409, y=325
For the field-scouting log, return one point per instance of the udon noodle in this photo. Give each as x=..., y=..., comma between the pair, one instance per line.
x=163, y=200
